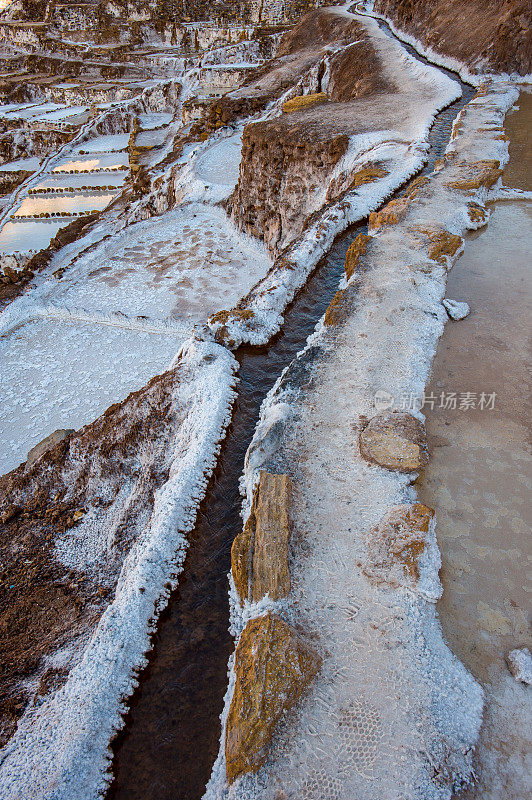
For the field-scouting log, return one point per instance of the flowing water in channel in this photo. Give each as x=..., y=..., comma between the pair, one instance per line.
x=171, y=735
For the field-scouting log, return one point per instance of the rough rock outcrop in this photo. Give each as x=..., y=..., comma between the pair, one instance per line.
x=283, y=166
x=480, y=33
x=396, y=545
x=288, y=168
x=396, y=441
x=273, y=667
x=259, y=556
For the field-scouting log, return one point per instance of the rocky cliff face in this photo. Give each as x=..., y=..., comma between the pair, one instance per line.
x=288, y=164
x=481, y=33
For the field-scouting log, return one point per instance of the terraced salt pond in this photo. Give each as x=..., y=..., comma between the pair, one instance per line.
x=28, y=235
x=63, y=181
x=184, y=265
x=104, y=144
x=94, y=163
x=57, y=374
x=63, y=204
x=30, y=164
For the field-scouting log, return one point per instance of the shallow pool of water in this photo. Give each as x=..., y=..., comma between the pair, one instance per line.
x=63, y=204
x=480, y=475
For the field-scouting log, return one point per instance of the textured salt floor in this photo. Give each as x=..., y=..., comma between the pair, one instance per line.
x=183, y=265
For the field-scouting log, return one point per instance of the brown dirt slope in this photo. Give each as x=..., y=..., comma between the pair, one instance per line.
x=490, y=33
x=108, y=470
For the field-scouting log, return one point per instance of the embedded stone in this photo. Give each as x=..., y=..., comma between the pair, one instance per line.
x=338, y=309
x=356, y=251
x=273, y=667
x=444, y=245
x=520, y=665
x=396, y=545
x=478, y=174
x=395, y=441
x=47, y=444
x=259, y=556
x=303, y=102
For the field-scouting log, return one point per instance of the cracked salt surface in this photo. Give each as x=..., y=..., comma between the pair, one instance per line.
x=184, y=265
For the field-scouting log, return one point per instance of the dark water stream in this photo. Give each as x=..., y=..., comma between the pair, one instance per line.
x=170, y=740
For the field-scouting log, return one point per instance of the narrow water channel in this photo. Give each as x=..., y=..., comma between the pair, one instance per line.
x=171, y=735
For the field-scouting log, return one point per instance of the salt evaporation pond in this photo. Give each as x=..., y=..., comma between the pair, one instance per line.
x=63, y=204
x=105, y=144
x=29, y=164
x=220, y=164
x=28, y=235
x=154, y=120
x=28, y=111
x=94, y=163
x=93, y=180
x=63, y=113
x=56, y=374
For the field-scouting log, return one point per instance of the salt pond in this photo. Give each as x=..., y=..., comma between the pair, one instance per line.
x=29, y=164
x=93, y=163
x=92, y=179
x=63, y=204
x=28, y=235
x=183, y=265
x=104, y=144
x=56, y=374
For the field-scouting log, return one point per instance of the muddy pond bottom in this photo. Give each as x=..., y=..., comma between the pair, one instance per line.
x=479, y=479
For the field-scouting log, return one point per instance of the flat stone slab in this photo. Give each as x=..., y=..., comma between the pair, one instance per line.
x=395, y=441
x=273, y=667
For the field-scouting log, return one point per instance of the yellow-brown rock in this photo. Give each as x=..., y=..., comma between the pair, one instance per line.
x=259, y=556
x=396, y=441
x=392, y=213
x=337, y=310
x=478, y=174
x=443, y=244
x=356, y=250
x=273, y=667
x=396, y=545
x=303, y=102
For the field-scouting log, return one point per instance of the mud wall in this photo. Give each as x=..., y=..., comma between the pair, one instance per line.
x=493, y=33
